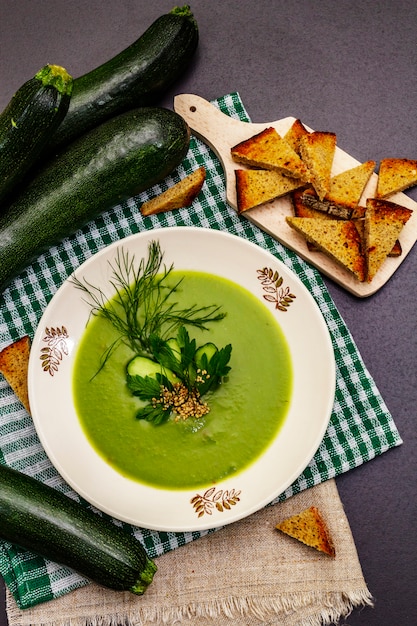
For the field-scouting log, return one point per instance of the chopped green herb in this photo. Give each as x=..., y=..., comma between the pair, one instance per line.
x=142, y=306
x=173, y=372
x=197, y=372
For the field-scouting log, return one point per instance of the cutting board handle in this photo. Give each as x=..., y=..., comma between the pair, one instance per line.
x=207, y=121
x=219, y=131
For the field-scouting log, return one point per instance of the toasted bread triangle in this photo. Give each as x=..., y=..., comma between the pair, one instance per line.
x=302, y=209
x=339, y=239
x=255, y=187
x=179, y=195
x=317, y=150
x=347, y=187
x=268, y=150
x=294, y=134
x=384, y=221
x=310, y=528
x=395, y=175
x=14, y=362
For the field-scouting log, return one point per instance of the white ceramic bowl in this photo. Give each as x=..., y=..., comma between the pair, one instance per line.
x=59, y=429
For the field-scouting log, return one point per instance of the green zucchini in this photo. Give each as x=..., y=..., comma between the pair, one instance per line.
x=114, y=161
x=45, y=521
x=35, y=111
x=136, y=77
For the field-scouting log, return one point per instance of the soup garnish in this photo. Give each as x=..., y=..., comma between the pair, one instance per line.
x=170, y=373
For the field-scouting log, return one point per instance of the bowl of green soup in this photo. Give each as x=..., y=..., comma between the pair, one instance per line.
x=181, y=379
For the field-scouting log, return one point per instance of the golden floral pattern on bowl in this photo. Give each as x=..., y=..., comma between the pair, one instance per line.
x=214, y=500
x=56, y=348
x=273, y=284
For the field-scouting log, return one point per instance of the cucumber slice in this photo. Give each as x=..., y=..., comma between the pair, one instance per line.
x=142, y=366
x=175, y=347
x=204, y=354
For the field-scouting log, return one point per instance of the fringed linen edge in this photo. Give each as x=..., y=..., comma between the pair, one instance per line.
x=316, y=609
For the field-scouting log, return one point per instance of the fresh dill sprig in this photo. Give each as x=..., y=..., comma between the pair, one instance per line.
x=141, y=307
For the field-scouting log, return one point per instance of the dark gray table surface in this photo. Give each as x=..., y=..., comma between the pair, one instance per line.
x=346, y=66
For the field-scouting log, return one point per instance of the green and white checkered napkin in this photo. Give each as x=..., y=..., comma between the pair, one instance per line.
x=361, y=426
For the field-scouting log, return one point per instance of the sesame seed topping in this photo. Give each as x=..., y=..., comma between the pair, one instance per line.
x=183, y=402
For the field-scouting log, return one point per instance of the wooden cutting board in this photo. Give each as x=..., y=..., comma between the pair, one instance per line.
x=220, y=132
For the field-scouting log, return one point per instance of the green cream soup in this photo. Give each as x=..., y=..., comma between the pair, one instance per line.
x=246, y=412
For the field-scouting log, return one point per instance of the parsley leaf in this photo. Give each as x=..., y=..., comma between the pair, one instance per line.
x=214, y=369
x=155, y=414
x=147, y=387
x=197, y=371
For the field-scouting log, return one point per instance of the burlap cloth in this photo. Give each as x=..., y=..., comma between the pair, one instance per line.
x=245, y=574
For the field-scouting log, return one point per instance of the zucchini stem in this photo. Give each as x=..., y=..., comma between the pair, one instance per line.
x=184, y=11
x=56, y=76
